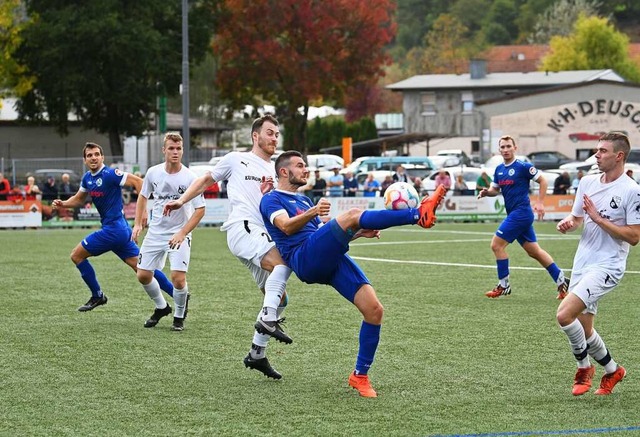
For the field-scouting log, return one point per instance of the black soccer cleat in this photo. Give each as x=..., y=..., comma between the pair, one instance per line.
x=178, y=324
x=94, y=302
x=261, y=365
x=157, y=315
x=273, y=329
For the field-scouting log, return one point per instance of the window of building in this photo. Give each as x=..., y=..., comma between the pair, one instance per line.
x=428, y=103
x=467, y=102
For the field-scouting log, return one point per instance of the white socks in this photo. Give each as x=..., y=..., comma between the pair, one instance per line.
x=154, y=292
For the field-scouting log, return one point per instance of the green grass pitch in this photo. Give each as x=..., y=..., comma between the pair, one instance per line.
x=450, y=361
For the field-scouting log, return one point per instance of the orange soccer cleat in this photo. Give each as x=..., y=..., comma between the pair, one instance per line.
x=362, y=384
x=609, y=380
x=563, y=289
x=499, y=291
x=428, y=207
x=582, y=380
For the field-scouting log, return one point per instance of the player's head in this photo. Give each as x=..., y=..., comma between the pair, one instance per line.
x=92, y=146
x=265, y=132
x=507, y=147
x=93, y=156
x=172, y=148
x=619, y=141
x=291, y=169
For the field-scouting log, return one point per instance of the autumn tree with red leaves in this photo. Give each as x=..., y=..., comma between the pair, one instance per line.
x=291, y=53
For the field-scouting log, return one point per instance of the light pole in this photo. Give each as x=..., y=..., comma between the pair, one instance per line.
x=185, y=82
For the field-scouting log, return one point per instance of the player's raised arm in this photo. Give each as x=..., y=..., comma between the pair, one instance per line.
x=291, y=225
x=195, y=189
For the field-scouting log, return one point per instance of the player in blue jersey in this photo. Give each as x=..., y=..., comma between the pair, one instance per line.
x=317, y=253
x=104, y=185
x=512, y=179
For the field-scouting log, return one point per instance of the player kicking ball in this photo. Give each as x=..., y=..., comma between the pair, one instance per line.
x=317, y=251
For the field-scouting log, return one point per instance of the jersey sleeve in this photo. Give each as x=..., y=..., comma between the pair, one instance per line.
x=633, y=205
x=270, y=207
x=83, y=183
x=531, y=171
x=120, y=176
x=147, y=186
x=578, y=203
x=222, y=170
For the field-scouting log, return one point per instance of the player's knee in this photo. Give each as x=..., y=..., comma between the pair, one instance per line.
x=144, y=276
x=564, y=317
x=374, y=314
x=179, y=280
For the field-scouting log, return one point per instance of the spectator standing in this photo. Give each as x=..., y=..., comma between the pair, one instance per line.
x=562, y=184
x=319, y=187
x=31, y=190
x=350, y=185
x=336, y=183
x=400, y=175
x=483, y=181
x=66, y=189
x=576, y=181
x=371, y=186
x=5, y=187
x=388, y=180
x=444, y=179
x=49, y=190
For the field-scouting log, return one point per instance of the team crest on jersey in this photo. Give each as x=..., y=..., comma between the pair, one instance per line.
x=532, y=170
x=182, y=189
x=118, y=172
x=99, y=182
x=615, y=202
x=511, y=172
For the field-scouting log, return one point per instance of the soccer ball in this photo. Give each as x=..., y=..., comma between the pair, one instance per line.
x=401, y=195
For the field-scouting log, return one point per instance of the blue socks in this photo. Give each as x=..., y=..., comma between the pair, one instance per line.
x=369, y=339
x=165, y=283
x=503, y=268
x=383, y=219
x=89, y=277
x=554, y=271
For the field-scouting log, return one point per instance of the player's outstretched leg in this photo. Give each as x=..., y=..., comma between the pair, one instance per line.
x=428, y=207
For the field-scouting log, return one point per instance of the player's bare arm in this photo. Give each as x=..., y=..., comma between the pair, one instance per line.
x=133, y=181
x=75, y=201
x=488, y=192
x=627, y=233
x=196, y=188
x=291, y=225
x=569, y=224
x=140, y=222
x=191, y=224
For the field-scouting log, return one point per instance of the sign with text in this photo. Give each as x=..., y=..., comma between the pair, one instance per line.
x=18, y=214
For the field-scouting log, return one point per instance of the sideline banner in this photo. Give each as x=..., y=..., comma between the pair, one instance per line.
x=20, y=214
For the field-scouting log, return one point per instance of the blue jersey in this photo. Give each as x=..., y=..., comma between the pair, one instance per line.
x=293, y=204
x=513, y=180
x=105, y=190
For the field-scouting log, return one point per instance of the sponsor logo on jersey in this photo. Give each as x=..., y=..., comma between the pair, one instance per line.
x=246, y=164
x=252, y=178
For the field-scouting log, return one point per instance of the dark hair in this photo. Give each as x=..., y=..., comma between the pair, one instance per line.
x=91, y=146
x=284, y=159
x=619, y=141
x=258, y=122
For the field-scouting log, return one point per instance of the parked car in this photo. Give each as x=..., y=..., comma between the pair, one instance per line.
x=548, y=160
x=325, y=162
x=491, y=163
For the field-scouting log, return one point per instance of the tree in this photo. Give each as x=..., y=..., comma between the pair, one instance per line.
x=14, y=78
x=106, y=60
x=560, y=17
x=447, y=48
x=293, y=52
x=594, y=44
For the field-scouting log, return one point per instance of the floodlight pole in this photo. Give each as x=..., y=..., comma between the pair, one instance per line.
x=186, y=144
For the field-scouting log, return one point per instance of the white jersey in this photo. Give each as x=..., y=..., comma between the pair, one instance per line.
x=618, y=202
x=244, y=172
x=166, y=187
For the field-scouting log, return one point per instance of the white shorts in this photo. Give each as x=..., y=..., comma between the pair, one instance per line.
x=154, y=252
x=590, y=286
x=250, y=243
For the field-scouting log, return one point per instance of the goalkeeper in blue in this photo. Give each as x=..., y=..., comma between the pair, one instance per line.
x=315, y=248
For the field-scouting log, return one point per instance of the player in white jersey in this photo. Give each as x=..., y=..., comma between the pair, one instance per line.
x=608, y=204
x=249, y=176
x=168, y=235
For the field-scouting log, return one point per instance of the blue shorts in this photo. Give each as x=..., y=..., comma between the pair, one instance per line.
x=111, y=239
x=323, y=259
x=518, y=226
